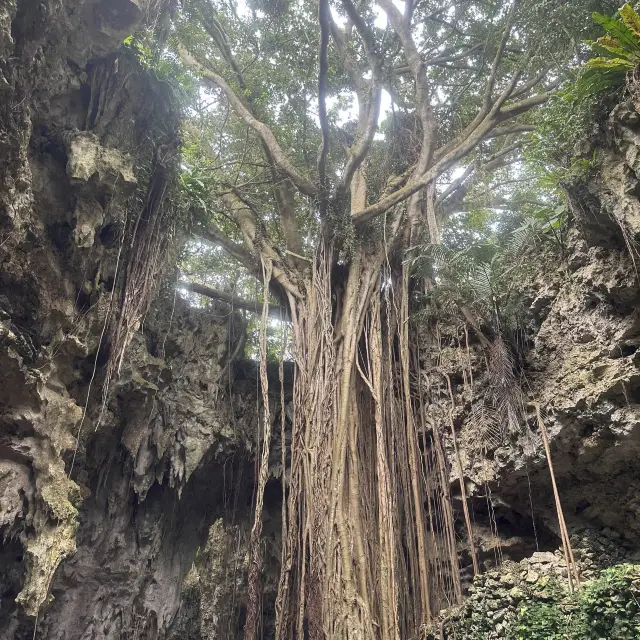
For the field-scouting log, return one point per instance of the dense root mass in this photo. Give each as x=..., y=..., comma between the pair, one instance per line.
x=370, y=546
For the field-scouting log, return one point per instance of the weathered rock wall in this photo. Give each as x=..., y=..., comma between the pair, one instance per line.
x=582, y=366
x=531, y=598
x=165, y=464
x=107, y=503
x=104, y=501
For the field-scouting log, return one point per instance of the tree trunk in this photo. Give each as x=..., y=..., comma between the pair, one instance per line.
x=361, y=555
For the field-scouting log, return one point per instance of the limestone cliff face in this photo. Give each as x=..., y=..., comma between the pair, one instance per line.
x=48, y=53
x=104, y=499
x=582, y=365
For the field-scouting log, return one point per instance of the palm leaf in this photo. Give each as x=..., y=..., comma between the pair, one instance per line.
x=438, y=253
x=593, y=81
x=608, y=47
x=480, y=281
x=487, y=430
x=619, y=65
x=524, y=235
x=610, y=42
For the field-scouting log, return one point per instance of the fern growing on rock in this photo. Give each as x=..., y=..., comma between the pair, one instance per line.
x=618, y=52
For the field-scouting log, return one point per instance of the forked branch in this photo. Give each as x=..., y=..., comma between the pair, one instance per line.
x=212, y=234
x=279, y=156
x=323, y=17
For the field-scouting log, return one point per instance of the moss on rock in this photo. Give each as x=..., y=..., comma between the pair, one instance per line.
x=544, y=609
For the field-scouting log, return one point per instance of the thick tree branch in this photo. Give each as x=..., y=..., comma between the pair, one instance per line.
x=506, y=94
x=214, y=235
x=360, y=149
x=510, y=130
x=255, y=239
x=457, y=184
x=507, y=112
x=218, y=35
x=347, y=61
x=516, y=108
x=283, y=195
x=236, y=302
x=423, y=100
x=286, y=203
x=323, y=17
x=506, y=34
x=444, y=59
x=365, y=33
x=488, y=109
x=282, y=161
x=417, y=67
x=445, y=162
x=409, y=7
x=533, y=82
x=285, y=200
x=447, y=156
x=368, y=93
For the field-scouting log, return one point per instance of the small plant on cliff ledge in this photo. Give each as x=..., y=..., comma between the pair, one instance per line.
x=155, y=57
x=618, y=52
x=610, y=606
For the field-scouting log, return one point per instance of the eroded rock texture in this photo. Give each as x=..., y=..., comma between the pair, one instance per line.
x=49, y=53
x=582, y=367
x=104, y=499
x=499, y=601
x=126, y=515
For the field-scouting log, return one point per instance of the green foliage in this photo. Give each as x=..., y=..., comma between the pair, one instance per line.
x=277, y=340
x=610, y=607
x=540, y=620
x=546, y=223
x=606, y=608
x=486, y=269
x=569, y=116
x=140, y=48
x=195, y=188
x=268, y=54
x=154, y=56
x=618, y=52
x=564, y=121
x=484, y=285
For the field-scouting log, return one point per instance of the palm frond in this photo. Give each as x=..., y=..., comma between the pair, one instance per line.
x=500, y=413
x=487, y=432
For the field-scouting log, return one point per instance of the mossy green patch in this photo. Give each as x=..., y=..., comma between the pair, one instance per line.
x=605, y=608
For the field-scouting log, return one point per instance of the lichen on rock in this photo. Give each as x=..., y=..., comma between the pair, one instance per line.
x=87, y=158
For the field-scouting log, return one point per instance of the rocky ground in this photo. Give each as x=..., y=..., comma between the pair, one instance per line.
x=530, y=599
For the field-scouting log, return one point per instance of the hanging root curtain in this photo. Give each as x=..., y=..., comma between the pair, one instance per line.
x=369, y=545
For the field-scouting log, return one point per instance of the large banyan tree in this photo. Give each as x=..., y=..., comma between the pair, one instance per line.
x=332, y=137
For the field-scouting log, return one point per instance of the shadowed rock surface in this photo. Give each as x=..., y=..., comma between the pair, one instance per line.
x=125, y=488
